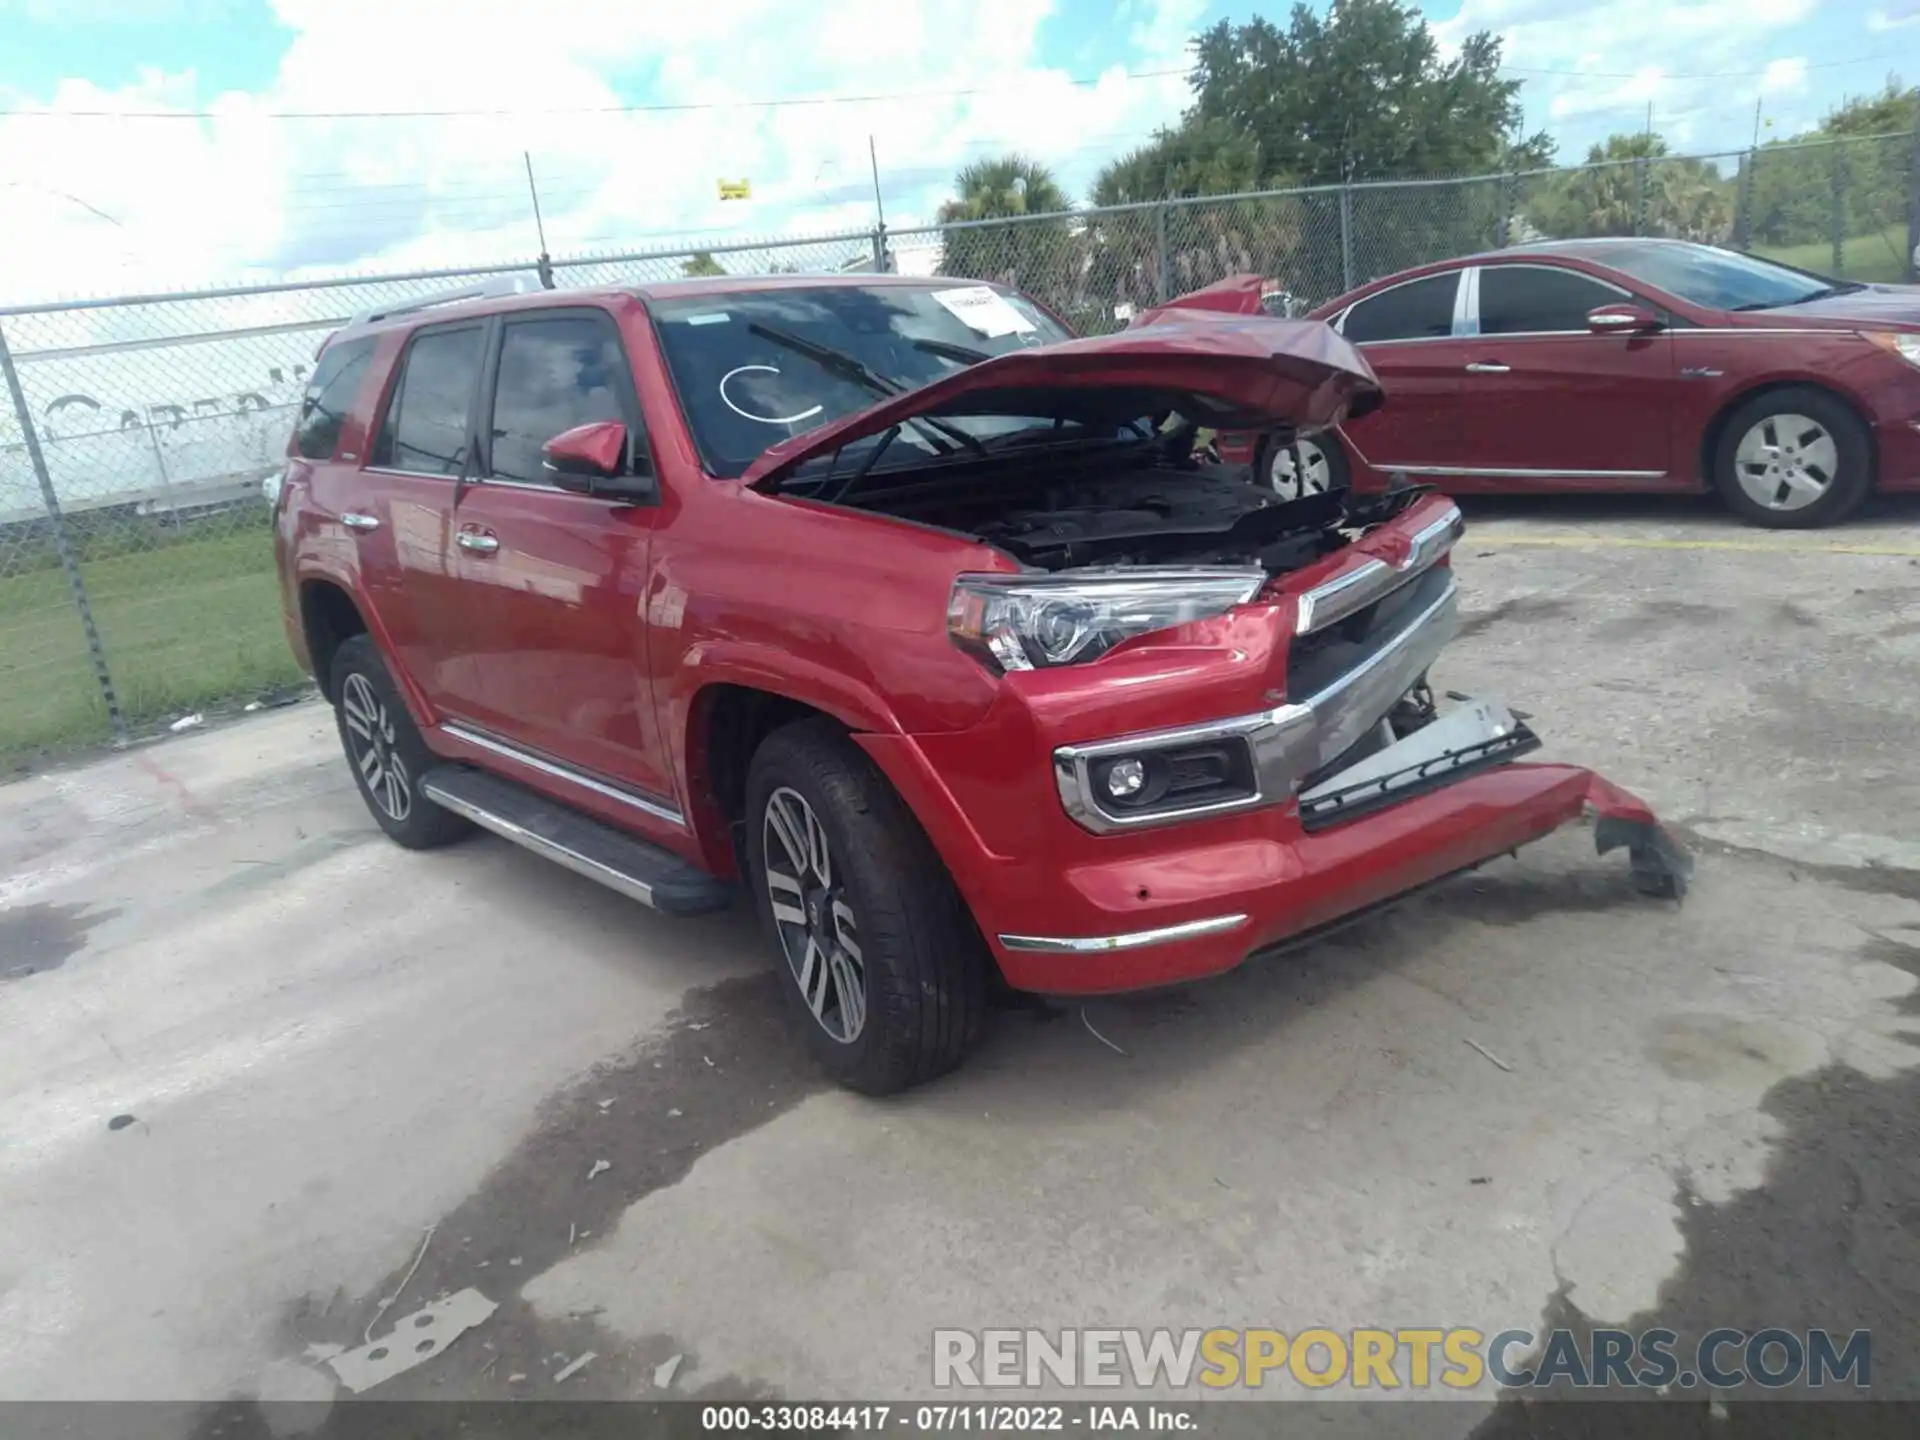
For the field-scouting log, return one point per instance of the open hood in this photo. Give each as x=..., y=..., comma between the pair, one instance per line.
x=1221, y=370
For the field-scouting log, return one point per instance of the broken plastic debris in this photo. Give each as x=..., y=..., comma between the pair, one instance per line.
x=413, y=1339
x=320, y=1350
x=252, y=705
x=598, y=1166
x=663, y=1372
x=673, y=1114
x=606, y=1104
x=514, y=1261
x=516, y=1378
x=699, y=1025
x=573, y=1367
x=187, y=722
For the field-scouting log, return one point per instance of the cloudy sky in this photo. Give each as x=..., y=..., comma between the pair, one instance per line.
x=153, y=144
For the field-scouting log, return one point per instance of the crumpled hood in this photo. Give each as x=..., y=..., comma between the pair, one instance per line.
x=1222, y=370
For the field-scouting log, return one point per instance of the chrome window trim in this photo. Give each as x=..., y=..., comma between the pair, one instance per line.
x=1129, y=940
x=1288, y=742
x=473, y=481
x=1466, y=304
x=1334, y=600
x=480, y=739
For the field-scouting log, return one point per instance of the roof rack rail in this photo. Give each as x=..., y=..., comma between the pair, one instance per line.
x=488, y=289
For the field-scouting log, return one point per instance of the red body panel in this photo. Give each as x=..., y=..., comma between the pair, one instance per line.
x=594, y=634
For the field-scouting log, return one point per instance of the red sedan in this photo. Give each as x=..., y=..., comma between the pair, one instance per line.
x=1629, y=365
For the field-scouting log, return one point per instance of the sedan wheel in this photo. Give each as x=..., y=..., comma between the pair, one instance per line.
x=814, y=916
x=1786, y=461
x=1299, y=469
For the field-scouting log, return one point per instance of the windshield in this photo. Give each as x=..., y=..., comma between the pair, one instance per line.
x=744, y=383
x=1717, y=279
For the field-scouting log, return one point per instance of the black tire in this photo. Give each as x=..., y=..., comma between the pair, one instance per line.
x=1267, y=451
x=1845, y=489
x=377, y=718
x=922, y=965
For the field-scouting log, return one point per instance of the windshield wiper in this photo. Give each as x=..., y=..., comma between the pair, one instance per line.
x=947, y=350
x=1825, y=292
x=839, y=362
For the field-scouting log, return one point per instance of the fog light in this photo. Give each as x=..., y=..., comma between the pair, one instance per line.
x=1126, y=777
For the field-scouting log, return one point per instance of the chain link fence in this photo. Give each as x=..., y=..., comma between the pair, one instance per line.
x=136, y=566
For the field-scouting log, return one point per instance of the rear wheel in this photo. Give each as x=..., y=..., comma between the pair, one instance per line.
x=877, y=953
x=1794, y=459
x=384, y=750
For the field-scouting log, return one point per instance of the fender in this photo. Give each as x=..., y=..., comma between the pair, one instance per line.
x=309, y=569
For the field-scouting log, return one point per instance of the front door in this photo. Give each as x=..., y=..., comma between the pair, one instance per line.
x=1547, y=401
x=554, y=582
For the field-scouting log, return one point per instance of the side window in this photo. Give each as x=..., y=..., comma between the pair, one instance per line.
x=1418, y=310
x=426, y=425
x=1517, y=299
x=330, y=395
x=555, y=373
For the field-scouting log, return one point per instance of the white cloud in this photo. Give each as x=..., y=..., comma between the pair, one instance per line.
x=1593, y=66
x=243, y=195
x=1897, y=17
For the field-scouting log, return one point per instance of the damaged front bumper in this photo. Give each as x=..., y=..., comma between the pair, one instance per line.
x=1438, y=801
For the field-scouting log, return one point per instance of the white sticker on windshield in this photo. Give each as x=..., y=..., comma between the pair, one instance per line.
x=719, y=318
x=984, y=310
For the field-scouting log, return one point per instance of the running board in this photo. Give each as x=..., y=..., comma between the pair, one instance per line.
x=619, y=861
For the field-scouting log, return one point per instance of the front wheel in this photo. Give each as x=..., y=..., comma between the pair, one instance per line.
x=1302, y=467
x=1794, y=459
x=877, y=952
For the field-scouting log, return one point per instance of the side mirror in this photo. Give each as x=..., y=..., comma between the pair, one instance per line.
x=598, y=459
x=1622, y=320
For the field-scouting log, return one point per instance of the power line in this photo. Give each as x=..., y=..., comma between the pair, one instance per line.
x=1707, y=75
x=650, y=109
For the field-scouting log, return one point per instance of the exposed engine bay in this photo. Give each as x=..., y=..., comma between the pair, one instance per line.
x=1117, y=511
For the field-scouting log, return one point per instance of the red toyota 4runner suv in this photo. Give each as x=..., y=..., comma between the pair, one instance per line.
x=891, y=601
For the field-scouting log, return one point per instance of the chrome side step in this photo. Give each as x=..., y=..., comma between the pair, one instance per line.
x=622, y=862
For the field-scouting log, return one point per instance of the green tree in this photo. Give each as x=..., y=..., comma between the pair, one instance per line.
x=1041, y=256
x=701, y=264
x=1360, y=93
x=1794, y=179
x=1683, y=199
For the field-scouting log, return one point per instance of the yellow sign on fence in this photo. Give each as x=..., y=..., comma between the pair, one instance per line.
x=736, y=190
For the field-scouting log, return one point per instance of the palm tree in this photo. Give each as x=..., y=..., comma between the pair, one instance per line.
x=701, y=264
x=1040, y=256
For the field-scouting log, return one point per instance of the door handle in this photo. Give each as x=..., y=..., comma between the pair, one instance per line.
x=479, y=541
x=1487, y=367
x=353, y=520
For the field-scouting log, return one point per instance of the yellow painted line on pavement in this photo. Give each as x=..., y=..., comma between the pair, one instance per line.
x=1629, y=542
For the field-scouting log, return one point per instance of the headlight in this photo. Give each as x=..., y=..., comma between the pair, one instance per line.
x=1907, y=347
x=1020, y=622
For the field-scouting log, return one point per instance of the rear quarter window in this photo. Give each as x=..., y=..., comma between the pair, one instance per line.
x=329, y=397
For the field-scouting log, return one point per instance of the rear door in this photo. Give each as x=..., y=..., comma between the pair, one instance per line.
x=1550, y=402
x=552, y=582
x=423, y=442
x=1407, y=333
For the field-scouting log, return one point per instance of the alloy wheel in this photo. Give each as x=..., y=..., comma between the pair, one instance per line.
x=373, y=748
x=1786, y=462
x=1299, y=469
x=813, y=916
